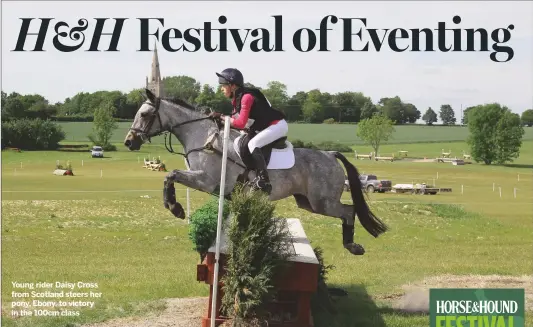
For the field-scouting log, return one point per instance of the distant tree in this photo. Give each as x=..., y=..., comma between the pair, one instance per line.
x=13, y=107
x=313, y=108
x=31, y=134
x=495, y=134
x=393, y=108
x=369, y=109
x=4, y=98
x=375, y=130
x=447, y=115
x=508, y=137
x=206, y=97
x=276, y=93
x=132, y=102
x=84, y=104
x=464, y=119
x=312, y=111
x=293, y=109
x=527, y=117
x=216, y=101
x=350, y=105
x=183, y=87
x=398, y=111
x=221, y=103
x=412, y=114
x=430, y=116
x=103, y=126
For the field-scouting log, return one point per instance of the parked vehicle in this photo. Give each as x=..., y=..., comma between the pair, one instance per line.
x=97, y=152
x=371, y=184
x=418, y=189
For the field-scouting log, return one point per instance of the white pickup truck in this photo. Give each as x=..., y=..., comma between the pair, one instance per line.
x=371, y=184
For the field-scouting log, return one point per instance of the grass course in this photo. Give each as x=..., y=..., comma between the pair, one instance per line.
x=107, y=225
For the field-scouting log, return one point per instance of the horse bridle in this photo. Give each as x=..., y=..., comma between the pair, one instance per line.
x=143, y=134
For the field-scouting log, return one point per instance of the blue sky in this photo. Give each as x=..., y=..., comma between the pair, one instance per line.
x=424, y=79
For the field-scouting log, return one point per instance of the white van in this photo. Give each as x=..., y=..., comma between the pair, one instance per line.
x=97, y=152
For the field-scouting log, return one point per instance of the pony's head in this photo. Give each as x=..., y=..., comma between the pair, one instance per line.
x=146, y=124
x=156, y=116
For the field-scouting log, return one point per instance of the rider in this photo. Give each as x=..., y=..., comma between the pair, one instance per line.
x=269, y=124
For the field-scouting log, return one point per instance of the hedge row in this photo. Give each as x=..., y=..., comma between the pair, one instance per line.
x=31, y=134
x=83, y=119
x=325, y=146
x=74, y=118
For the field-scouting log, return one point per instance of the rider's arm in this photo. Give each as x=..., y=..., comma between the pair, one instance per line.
x=246, y=104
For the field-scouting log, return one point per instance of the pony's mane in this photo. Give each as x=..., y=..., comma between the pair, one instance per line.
x=198, y=109
x=180, y=102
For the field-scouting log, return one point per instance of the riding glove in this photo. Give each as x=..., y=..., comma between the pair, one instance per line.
x=216, y=115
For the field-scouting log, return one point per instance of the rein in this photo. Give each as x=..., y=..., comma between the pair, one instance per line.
x=169, y=148
x=207, y=146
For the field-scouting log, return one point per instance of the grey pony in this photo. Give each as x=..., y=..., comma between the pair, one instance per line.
x=316, y=181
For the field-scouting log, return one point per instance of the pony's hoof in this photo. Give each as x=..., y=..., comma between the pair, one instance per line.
x=177, y=210
x=355, y=249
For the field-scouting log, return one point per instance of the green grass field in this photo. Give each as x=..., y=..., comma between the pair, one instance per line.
x=107, y=225
x=342, y=133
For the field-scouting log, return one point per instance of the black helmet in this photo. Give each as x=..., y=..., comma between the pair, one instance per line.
x=231, y=76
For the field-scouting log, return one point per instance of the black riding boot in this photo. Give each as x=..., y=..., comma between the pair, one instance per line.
x=262, y=182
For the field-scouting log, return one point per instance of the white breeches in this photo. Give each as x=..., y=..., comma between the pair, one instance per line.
x=269, y=135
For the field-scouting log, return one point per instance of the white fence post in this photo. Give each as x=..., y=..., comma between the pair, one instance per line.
x=219, y=222
x=188, y=195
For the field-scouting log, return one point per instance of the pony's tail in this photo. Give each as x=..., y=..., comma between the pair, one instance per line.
x=370, y=222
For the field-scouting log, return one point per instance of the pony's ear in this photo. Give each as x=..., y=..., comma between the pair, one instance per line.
x=143, y=95
x=151, y=96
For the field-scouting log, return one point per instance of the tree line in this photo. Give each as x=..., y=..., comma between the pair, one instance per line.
x=104, y=108
x=495, y=133
x=313, y=106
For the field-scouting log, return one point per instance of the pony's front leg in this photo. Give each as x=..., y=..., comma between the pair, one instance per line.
x=196, y=179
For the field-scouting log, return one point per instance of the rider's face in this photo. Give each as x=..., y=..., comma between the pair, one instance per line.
x=227, y=90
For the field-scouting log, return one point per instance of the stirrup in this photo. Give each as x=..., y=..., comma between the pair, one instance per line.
x=261, y=185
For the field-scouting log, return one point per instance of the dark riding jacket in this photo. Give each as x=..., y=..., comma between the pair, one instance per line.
x=261, y=112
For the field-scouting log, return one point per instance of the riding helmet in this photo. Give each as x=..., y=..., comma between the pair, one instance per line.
x=231, y=76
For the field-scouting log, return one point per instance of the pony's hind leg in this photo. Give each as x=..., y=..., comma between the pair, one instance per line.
x=348, y=231
x=334, y=208
x=303, y=203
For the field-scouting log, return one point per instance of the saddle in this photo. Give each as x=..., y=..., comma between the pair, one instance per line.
x=245, y=154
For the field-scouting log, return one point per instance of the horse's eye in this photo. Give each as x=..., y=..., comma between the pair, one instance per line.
x=144, y=114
